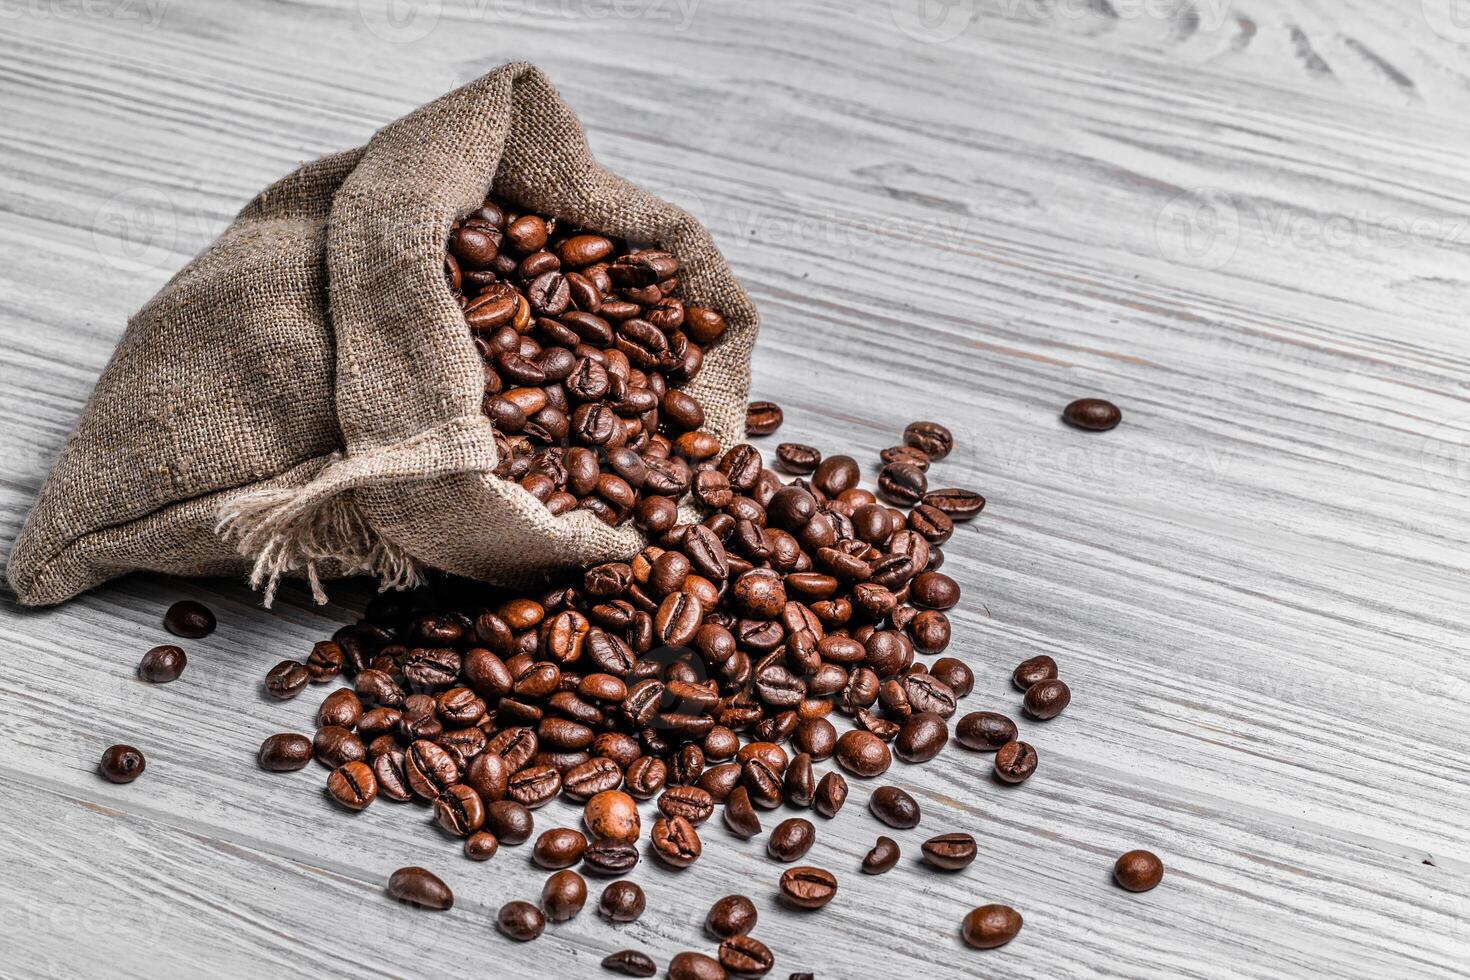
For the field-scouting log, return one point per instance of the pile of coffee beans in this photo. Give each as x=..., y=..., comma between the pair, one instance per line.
x=585, y=344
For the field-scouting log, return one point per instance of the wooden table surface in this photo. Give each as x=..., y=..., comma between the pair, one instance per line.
x=1247, y=223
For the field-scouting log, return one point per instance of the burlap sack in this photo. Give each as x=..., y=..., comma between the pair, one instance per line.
x=304, y=397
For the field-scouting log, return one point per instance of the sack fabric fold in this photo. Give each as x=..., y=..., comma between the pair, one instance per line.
x=303, y=399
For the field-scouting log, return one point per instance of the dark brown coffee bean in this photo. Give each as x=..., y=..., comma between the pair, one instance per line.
x=762, y=418
x=990, y=926
x=762, y=783
x=353, y=785
x=745, y=956
x=931, y=523
x=286, y=680
x=933, y=439
x=189, y=619
x=417, y=886
x=122, y=764
x=902, y=483
x=695, y=966
x=807, y=887
x=334, y=746
x=611, y=814
x=459, y=810
x=985, y=731
x=510, y=822
x=733, y=915
x=863, y=754
x=740, y=816
x=675, y=842
x=950, y=852
x=799, y=782
x=162, y=664
x=609, y=858
x=1138, y=871
x=791, y=839
x=1015, y=762
x=560, y=847
x=690, y=802
x=955, y=503
x=325, y=662
x=894, y=807
x=1046, y=699
x=793, y=457
x=906, y=454
x=836, y=474
x=935, y=590
x=340, y=708
x=563, y=896
x=520, y=921
x=284, y=753
x=429, y=768
x=921, y=738
x=1092, y=414
x=1032, y=671
x=830, y=794
x=622, y=901
x=883, y=856
x=629, y=963
x=481, y=846
x=534, y=786
x=646, y=777
x=392, y=776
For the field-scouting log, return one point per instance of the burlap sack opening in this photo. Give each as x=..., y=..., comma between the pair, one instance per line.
x=304, y=397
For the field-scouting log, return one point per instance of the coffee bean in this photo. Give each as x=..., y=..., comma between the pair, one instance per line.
x=745, y=956
x=622, y=901
x=122, y=764
x=955, y=503
x=935, y=590
x=931, y=438
x=325, y=661
x=481, y=846
x=740, y=816
x=334, y=746
x=1093, y=414
x=883, y=856
x=990, y=926
x=610, y=858
x=1015, y=762
x=675, y=842
x=807, y=887
x=612, y=815
x=630, y=963
x=985, y=731
x=793, y=457
x=950, y=852
x=284, y=753
x=420, y=887
x=392, y=775
x=509, y=821
x=831, y=793
x=560, y=847
x=340, y=708
x=921, y=737
x=520, y=921
x=836, y=474
x=459, y=810
x=690, y=802
x=763, y=418
x=954, y=674
x=430, y=770
x=894, y=807
x=863, y=754
x=902, y=483
x=1139, y=871
x=1032, y=671
x=286, y=680
x=535, y=786
x=352, y=785
x=695, y=966
x=189, y=619
x=162, y=664
x=798, y=782
x=733, y=915
x=1046, y=699
x=791, y=839
x=563, y=896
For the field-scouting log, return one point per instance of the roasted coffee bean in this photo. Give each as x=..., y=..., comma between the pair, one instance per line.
x=830, y=794
x=629, y=963
x=390, y=771
x=286, y=680
x=762, y=418
x=921, y=737
x=563, y=896
x=560, y=847
x=863, y=754
x=799, y=782
x=817, y=737
x=520, y=921
x=1092, y=414
x=459, y=810
x=807, y=887
x=933, y=524
x=510, y=822
x=353, y=785
x=894, y=807
x=733, y=915
x=933, y=439
x=189, y=619
x=935, y=590
x=1046, y=699
x=334, y=746
x=285, y=753
x=489, y=775
x=695, y=966
x=762, y=783
x=675, y=841
x=611, y=815
x=325, y=662
x=417, y=886
x=985, y=731
x=429, y=768
x=1015, y=762
x=883, y=856
x=534, y=786
x=950, y=852
x=646, y=777
x=955, y=503
x=902, y=483
x=481, y=846
x=990, y=926
x=690, y=802
x=791, y=839
x=906, y=454
x=340, y=708
x=122, y=764
x=745, y=956
x=162, y=664
x=953, y=673
x=622, y=901
x=793, y=457
x=836, y=474
x=1033, y=671
x=610, y=857
x=1138, y=871
x=740, y=816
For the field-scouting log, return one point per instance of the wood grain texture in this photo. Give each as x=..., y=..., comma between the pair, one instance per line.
x=1246, y=223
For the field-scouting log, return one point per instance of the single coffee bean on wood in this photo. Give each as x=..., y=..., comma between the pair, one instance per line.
x=1138, y=871
x=830, y=794
x=675, y=842
x=560, y=847
x=882, y=857
x=622, y=901
x=610, y=858
x=763, y=418
x=863, y=754
x=807, y=887
x=791, y=839
x=162, y=664
x=563, y=895
x=1032, y=671
x=481, y=846
x=612, y=815
x=352, y=785
x=990, y=926
x=894, y=807
x=1015, y=762
x=418, y=886
x=746, y=956
x=695, y=966
x=793, y=457
x=122, y=764
x=733, y=915
x=630, y=963
x=520, y=921
x=1092, y=414
x=949, y=852
x=286, y=680
x=510, y=822
x=933, y=439
x=985, y=731
x=189, y=619
x=955, y=503
x=286, y=752
x=1047, y=699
